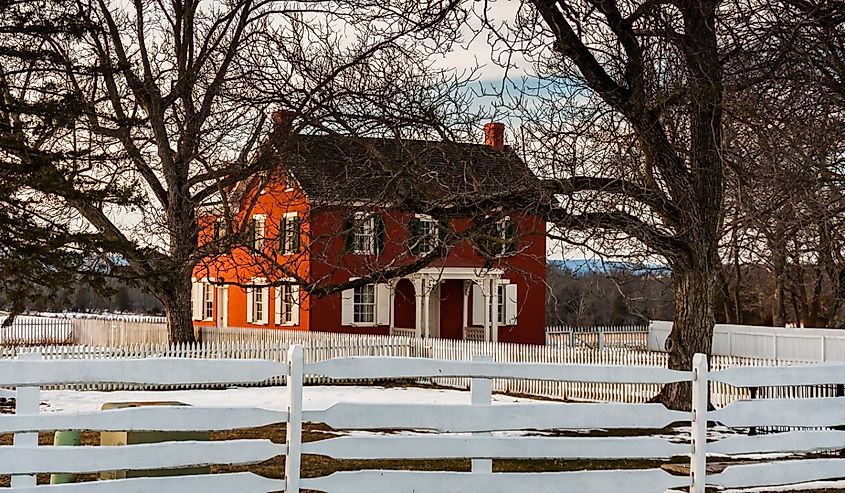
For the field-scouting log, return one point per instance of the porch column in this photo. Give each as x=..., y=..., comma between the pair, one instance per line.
x=418, y=294
x=494, y=308
x=426, y=307
x=467, y=287
x=392, y=290
x=485, y=289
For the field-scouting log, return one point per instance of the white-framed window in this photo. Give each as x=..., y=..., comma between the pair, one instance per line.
x=257, y=231
x=287, y=304
x=506, y=308
x=208, y=301
x=202, y=299
x=219, y=229
x=367, y=305
x=289, y=233
x=364, y=304
x=424, y=235
x=257, y=297
x=363, y=234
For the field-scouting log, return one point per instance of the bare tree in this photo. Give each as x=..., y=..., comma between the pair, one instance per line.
x=177, y=95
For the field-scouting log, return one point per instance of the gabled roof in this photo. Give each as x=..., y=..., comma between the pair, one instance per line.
x=334, y=168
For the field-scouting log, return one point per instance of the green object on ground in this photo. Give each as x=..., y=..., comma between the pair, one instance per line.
x=113, y=438
x=66, y=438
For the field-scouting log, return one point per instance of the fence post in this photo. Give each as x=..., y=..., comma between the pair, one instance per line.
x=571, y=337
x=27, y=401
x=293, y=431
x=481, y=394
x=698, y=459
x=601, y=339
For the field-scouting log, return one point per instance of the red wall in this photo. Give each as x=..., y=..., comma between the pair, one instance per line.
x=322, y=259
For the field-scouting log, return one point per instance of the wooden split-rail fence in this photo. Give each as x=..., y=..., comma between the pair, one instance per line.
x=478, y=430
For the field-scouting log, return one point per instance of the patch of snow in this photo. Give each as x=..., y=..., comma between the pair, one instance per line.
x=314, y=398
x=813, y=486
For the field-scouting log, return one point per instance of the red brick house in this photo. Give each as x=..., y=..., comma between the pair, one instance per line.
x=325, y=216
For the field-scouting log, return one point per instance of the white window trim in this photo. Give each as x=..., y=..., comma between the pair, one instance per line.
x=260, y=239
x=379, y=291
x=283, y=234
x=206, y=285
x=258, y=284
x=435, y=237
x=295, y=309
x=362, y=218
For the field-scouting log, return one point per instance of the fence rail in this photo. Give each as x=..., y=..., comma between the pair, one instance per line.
x=490, y=428
x=322, y=347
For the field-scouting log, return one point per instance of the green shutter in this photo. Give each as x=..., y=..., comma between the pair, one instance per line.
x=250, y=235
x=349, y=231
x=295, y=243
x=414, y=236
x=510, y=237
x=379, y=233
x=282, y=235
x=442, y=230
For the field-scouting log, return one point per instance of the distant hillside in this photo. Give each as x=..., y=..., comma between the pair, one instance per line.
x=584, y=266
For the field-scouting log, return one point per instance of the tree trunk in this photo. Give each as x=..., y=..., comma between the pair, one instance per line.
x=177, y=307
x=692, y=330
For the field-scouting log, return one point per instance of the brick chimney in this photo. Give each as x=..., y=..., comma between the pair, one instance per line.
x=494, y=135
x=283, y=120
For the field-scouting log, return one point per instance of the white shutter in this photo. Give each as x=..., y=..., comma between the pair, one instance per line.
x=346, y=306
x=277, y=293
x=382, y=304
x=294, y=293
x=196, y=300
x=477, y=305
x=265, y=314
x=510, y=304
x=249, y=293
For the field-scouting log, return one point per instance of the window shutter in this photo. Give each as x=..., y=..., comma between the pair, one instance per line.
x=196, y=300
x=510, y=236
x=349, y=230
x=379, y=230
x=442, y=230
x=477, y=305
x=295, y=240
x=346, y=307
x=382, y=304
x=414, y=236
x=265, y=314
x=249, y=295
x=216, y=230
x=294, y=293
x=511, y=307
x=282, y=235
x=277, y=305
x=250, y=235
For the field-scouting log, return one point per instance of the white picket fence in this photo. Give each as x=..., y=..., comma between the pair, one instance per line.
x=343, y=345
x=598, y=337
x=778, y=343
x=479, y=431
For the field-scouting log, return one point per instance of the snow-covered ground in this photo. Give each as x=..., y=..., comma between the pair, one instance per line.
x=128, y=317
x=314, y=398
x=322, y=397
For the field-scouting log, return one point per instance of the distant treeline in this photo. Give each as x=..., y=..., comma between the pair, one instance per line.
x=84, y=298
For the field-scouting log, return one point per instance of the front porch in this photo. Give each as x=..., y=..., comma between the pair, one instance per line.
x=447, y=303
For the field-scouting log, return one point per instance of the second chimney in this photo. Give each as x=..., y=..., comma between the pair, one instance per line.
x=494, y=135
x=283, y=120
